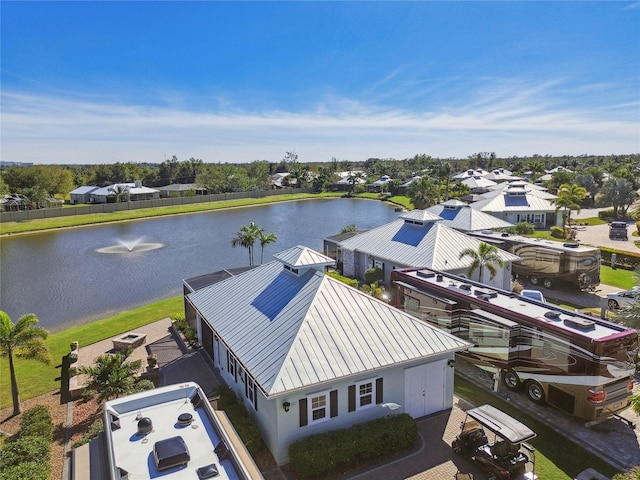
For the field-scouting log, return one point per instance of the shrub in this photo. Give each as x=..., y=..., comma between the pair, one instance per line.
x=25, y=449
x=144, y=385
x=606, y=215
x=557, y=232
x=638, y=227
x=352, y=282
x=522, y=228
x=240, y=418
x=625, y=260
x=326, y=454
x=32, y=470
x=180, y=322
x=517, y=287
x=37, y=422
x=373, y=275
x=94, y=430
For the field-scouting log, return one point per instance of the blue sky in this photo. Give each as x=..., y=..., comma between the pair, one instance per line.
x=102, y=82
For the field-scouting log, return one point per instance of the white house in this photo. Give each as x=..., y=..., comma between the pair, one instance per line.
x=520, y=201
x=417, y=239
x=136, y=190
x=462, y=217
x=309, y=354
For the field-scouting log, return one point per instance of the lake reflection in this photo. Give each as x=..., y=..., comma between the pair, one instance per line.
x=66, y=278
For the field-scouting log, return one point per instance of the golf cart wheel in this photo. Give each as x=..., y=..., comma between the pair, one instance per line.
x=612, y=304
x=511, y=380
x=548, y=283
x=534, y=280
x=535, y=392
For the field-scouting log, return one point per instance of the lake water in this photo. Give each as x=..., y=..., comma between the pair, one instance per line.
x=75, y=276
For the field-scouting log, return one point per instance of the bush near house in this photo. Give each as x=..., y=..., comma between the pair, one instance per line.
x=352, y=282
x=373, y=275
x=327, y=454
x=29, y=455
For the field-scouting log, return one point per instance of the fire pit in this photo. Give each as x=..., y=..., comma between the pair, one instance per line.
x=129, y=341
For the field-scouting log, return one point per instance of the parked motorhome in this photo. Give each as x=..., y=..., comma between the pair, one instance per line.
x=549, y=263
x=580, y=364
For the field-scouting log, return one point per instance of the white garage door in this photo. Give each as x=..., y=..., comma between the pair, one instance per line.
x=424, y=389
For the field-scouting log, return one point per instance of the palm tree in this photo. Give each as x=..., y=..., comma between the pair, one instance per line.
x=424, y=193
x=486, y=256
x=112, y=375
x=569, y=198
x=22, y=340
x=265, y=239
x=120, y=192
x=246, y=237
x=353, y=179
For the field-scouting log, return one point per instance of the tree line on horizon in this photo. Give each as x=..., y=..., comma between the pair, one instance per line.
x=38, y=182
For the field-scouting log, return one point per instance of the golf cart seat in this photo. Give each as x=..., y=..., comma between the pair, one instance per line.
x=500, y=449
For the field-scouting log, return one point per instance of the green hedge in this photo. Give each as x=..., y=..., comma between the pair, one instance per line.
x=28, y=470
x=29, y=455
x=352, y=282
x=37, y=422
x=625, y=260
x=326, y=454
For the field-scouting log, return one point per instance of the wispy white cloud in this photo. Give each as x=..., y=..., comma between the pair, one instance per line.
x=508, y=118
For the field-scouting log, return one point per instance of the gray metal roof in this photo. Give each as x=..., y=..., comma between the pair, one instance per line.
x=300, y=256
x=291, y=332
x=462, y=217
x=433, y=245
x=516, y=198
x=420, y=215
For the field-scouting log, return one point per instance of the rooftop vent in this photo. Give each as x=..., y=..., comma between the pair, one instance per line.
x=552, y=315
x=170, y=452
x=425, y=274
x=581, y=323
x=465, y=286
x=185, y=419
x=570, y=245
x=145, y=426
x=439, y=278
x=486, y=293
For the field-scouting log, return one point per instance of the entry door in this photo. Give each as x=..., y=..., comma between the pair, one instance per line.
x=424, y=389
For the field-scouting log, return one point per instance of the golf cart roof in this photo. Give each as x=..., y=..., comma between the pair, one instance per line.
x=501, y=424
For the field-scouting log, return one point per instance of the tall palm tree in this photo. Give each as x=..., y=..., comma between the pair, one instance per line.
x=486, y=256
x=111, y=375
x=569, y=198
x=246, y=237
x=22, y=340
x=265, y=239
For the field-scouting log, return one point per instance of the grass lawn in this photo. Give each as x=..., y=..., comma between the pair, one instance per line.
x=92, y=219
x=556, y=456
x=623, y=279
x=35, y=378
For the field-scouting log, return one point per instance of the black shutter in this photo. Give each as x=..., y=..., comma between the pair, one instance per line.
x=379, y=395
x=235, y=369
x=255, y=396
x=228, y=361
x=303, y=412
x=352, y=398
x=333, y=403
x=246, y=386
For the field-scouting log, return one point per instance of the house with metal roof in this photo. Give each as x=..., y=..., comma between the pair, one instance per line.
x=417, y=238
x=462, y=217
x=307, y=353
x=520, y=201
x=82, y=194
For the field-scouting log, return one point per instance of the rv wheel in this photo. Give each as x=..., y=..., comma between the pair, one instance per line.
x=548, y=283
x=535, y=392
x=511, y=380
x=534, y=280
